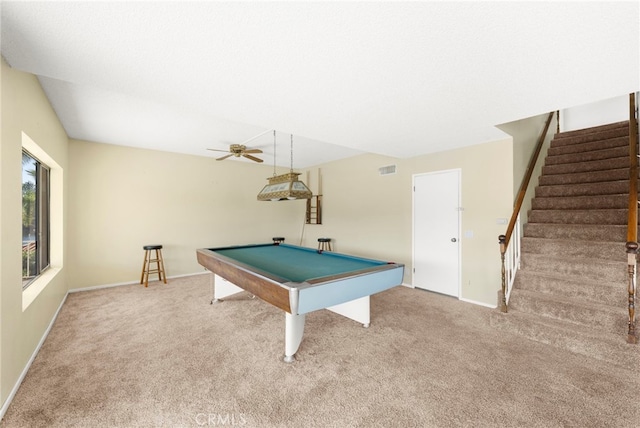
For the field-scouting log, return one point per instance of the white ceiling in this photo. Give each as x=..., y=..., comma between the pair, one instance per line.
x=394, y=78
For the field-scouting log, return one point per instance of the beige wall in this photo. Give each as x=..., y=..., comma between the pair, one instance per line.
x=371, y=215
x=486, y=184
x=25, y=109
x=525, y=134
x=123, y=198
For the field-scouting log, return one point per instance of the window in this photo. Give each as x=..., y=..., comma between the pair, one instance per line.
x=35, y=218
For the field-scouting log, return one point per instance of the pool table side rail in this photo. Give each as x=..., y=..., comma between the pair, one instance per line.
x=327, y=253
x=339, y=276
x=349, y=288
x=267, y=288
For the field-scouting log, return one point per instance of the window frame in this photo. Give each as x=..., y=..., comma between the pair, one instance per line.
x=42, y=220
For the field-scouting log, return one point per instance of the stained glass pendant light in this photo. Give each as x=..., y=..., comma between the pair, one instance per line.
x=285, y=186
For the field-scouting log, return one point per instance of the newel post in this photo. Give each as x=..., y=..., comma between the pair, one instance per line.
x=632, y=251
x=503, y=249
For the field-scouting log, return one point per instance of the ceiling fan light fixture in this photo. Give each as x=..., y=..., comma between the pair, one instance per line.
x=239, y=150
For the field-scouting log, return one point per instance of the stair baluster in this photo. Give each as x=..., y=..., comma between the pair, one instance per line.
x=632, y=251
x=632, y=222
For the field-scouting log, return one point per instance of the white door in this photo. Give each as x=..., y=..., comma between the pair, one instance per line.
x=436, y=232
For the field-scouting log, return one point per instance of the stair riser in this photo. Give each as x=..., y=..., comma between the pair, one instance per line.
x=598, y=165
x=623, y=124
x=608, y=175
x=569, y=139
x=593, y=270
x=614, y=216
x=593, y=318
x=584, y=249
x=616, y=352
x=590, y=189
x=604, y=293
x=589, y=147
x=615, y=152
x=619, y=201
x=577, y=232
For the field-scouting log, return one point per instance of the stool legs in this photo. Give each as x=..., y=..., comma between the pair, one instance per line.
x=146, y=267
x=324, y=244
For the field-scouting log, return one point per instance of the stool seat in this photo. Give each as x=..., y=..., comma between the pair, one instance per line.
x=277, y=240
x=324, y=244
x=146, y=266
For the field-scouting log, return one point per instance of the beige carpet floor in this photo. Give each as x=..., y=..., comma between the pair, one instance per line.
x=163, y=356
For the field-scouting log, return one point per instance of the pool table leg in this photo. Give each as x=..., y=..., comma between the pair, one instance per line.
x=294, y=328
x=221, y=288
x=357, y=310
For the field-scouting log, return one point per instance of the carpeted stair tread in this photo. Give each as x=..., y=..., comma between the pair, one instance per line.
x=595, y=165
x=593, y=129
x=586, y=156
x=622, y=141
x=596, y=232
x=578, y=267
x=591, y=134
x=582, y=202
x=608, y=250
x=584, y=189
x=608, y=293
x=608, y=347
x=595, y=216
x=606, y=175
x=592, y=315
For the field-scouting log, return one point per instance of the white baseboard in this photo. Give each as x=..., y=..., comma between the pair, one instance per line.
x=118, y=284
x=13, y=392
x=475, y=302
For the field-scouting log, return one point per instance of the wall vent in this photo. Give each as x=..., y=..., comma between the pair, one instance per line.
x=386, y=170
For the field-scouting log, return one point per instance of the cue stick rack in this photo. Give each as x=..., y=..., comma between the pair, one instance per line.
x=314, y=204
x=314, y=210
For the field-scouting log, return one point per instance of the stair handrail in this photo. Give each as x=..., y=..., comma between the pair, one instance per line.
x=632, y=220
x=511, y=253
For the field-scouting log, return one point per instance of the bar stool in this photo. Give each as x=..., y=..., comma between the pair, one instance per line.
x=324, y=244
x=146, y=267
x=278, y=240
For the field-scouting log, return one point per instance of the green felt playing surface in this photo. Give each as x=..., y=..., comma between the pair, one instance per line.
x=297, y=264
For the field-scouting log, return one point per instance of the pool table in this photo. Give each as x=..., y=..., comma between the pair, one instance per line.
x=299, y=280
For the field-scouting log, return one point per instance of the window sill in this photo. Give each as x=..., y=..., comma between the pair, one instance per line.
x=36, y=287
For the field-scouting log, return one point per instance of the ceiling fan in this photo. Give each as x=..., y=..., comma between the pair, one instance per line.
x=238, y=150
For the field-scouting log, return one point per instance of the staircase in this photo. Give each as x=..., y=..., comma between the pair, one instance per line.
x=571, y=289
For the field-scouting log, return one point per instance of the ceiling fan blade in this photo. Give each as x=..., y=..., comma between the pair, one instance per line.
x=253, y=158
x=224, y=157
x=253, y=151
x=216, y=150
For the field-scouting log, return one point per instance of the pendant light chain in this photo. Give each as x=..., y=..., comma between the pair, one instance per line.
x=291, y=152
x=274, y=152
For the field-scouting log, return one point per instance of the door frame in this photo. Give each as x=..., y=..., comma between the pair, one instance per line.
x=458, y=171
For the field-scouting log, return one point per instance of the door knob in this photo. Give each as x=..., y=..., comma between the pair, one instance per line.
x=453, y=239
